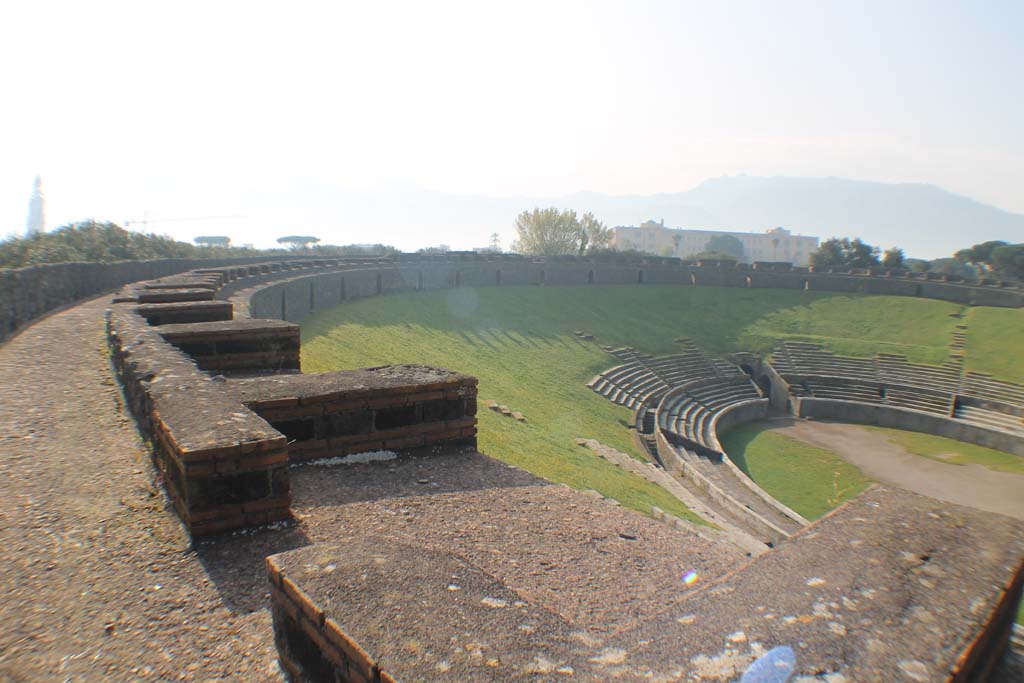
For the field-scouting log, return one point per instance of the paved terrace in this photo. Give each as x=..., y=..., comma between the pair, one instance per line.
x=102, y=583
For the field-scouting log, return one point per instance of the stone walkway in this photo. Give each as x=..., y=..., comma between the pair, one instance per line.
x=99, y=580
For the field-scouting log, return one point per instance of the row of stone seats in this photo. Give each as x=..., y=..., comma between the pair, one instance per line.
x=895, y=369
x=991, y=418
x=689, y=412
x=937, y=390
x=985, y=386
x=628, y=385
x=810, y=359
x=803, y=359
x=845, y=391
x=915, y=399
x=643, y=379
x=865, y=392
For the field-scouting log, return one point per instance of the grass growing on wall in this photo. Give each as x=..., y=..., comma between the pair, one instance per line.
x=995, y=342
x=519, y=342
x=952, y=451
x=808, y=479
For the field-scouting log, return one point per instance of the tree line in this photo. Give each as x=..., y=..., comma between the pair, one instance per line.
x=994, y=258
x=547, y=232
x=105, y=242
x=101, y=242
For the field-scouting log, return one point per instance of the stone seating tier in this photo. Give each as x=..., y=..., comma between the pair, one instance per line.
x=940, y=405
x=845, y=391
x=896, y=370
x=982, y=385
x=991, y=418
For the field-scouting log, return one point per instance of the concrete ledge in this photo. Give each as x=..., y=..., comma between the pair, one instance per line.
x=352, y=411
x=185, y=312
x=238, y=345
x=887, y=584
x=729, y=417
x=765, y=531
x=222, y=466
x=348, y=612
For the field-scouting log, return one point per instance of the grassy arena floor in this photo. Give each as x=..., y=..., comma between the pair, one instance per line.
x=809, y=480
x=519, y=341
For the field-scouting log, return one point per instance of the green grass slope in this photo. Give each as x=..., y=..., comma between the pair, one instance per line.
x=920, y=329
x=519, y=341
x=809, y=480
x=995, y=342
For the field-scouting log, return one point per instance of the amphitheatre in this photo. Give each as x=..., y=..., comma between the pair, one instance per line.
x=197, y=487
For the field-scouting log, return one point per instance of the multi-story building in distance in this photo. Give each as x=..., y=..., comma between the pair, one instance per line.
x=777, y=244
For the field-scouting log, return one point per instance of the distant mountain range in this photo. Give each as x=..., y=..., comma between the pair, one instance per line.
x=926, y=221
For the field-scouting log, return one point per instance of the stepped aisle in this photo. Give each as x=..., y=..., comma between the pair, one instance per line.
x=99, y=580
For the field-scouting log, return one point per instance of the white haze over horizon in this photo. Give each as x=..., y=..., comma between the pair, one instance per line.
x=243, y=111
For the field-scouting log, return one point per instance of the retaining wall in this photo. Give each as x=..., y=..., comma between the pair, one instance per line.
x=912, y=420
x=303, y=294
x=28, y=293
x=761, y=528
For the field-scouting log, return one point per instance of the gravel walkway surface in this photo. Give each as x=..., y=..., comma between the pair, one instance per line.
x=100, y=582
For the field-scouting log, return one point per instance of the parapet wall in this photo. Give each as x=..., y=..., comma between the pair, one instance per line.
x=295, y=298
x=223, y=442
x=28, y=293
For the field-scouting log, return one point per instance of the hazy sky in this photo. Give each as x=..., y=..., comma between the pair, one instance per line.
x=142, y=108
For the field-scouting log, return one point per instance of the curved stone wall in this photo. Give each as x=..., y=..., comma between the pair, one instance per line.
x=911, y=420
x=305, y=293
x=29, y=293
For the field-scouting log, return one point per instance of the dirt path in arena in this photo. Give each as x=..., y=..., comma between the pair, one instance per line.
x=972, y=485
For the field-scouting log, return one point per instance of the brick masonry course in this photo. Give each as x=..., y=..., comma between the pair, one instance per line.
x=224, y=450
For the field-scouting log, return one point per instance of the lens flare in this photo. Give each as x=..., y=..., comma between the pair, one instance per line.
x=690, y=577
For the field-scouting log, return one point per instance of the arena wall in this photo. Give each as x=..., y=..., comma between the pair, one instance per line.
x=28, y=293
x=912, y=420
x=351, y=281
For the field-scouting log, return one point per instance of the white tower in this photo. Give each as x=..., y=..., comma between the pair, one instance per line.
x=36, y=216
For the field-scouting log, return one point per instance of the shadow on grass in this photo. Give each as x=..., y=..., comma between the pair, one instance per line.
x=714, y=317
x=735, y=443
